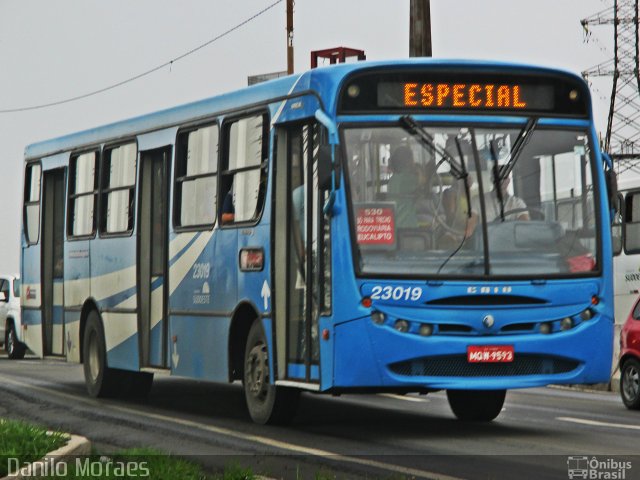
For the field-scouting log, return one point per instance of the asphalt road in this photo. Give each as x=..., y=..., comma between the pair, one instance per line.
x=541, y=433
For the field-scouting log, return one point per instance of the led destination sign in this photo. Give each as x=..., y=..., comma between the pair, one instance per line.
x=466, y=92
x=475, y=96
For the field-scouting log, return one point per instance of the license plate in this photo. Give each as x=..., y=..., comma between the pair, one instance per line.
x=490, y=354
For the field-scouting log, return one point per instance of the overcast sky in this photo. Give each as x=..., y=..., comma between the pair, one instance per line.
x=51, y=51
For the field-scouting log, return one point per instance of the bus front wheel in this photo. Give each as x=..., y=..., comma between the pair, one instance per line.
x=267, y=404
x=476, y=405
x=101, y=381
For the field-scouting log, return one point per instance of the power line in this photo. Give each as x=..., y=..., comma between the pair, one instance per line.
x=143, y=74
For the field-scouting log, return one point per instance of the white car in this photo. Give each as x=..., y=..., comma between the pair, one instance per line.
x=10, y=323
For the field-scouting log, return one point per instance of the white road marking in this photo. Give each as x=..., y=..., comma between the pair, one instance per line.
x=403, y=397
x=243, y=436
x=595, y=423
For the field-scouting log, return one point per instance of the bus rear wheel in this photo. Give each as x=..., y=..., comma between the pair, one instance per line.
x=101, y=381
x=267, y=404
x=476, y=405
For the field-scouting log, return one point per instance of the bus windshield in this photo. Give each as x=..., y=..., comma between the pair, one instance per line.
x=471, y=202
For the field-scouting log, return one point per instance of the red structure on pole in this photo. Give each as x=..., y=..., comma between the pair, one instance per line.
x=336, y=55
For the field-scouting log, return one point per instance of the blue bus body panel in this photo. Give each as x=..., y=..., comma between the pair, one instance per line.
x=201, y=348
x=114, y=258
x=125, y=355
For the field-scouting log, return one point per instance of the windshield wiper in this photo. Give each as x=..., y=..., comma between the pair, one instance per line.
x=408, y=123
x=518, y=146
x=497, y=179
x=500, y=173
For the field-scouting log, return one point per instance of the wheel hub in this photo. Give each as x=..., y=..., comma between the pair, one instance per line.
x=631, y=383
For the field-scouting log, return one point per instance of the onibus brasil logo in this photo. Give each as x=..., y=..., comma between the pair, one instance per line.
x=595, y=468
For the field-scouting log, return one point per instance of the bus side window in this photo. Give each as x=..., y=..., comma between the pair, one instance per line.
x=196, y=177
x=632, y=223
x=83, y=190
x=32, y=202
x=118, y=186
x=244, y=171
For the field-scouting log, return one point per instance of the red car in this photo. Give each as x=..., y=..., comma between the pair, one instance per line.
x=630, y=360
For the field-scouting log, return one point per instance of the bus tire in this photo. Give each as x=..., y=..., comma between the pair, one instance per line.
x=15, y=350
x=100, y=380
x=476, y=405
x=267, y=404
x=630, y=384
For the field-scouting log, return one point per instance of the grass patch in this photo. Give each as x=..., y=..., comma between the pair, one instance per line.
x=28, y=443
x=131, y=463
x=25, y=442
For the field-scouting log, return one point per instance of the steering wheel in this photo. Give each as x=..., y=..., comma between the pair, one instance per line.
x=516, y=211
x=442, y=222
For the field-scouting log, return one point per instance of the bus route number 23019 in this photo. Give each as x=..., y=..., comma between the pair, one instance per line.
x=201, y=270
x=380, y=292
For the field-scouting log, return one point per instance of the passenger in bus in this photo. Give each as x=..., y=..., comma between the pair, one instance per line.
x=228, y=210
x=510, y=202
x=403, y=187
x=460, y=224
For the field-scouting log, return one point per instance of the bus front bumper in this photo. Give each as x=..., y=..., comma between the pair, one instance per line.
x=369, y=356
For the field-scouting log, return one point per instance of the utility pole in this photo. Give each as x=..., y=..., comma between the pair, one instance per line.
x=289, y=37
x=420, y=29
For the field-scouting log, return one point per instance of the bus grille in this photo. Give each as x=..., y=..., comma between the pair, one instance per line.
x=458, y=366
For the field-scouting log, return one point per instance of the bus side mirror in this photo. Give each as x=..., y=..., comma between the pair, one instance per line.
x=328, y=176
x=328, y=159
x=611, y=179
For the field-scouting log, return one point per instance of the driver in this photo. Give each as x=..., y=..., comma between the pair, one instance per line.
x=510, y=202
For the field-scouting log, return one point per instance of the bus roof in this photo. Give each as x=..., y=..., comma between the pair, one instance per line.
x=325, y=79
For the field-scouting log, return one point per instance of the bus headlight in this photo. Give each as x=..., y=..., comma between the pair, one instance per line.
x=545, y=328
x=378, y=318
x=401, y=326
x=425, y=330
x=566, y=323
x=586, y=314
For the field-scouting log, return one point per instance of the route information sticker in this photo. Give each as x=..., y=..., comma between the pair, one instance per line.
x=375, y=226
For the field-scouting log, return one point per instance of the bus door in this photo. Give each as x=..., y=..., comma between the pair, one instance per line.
x=52, y=262
x=301, y=280
x=152, y=257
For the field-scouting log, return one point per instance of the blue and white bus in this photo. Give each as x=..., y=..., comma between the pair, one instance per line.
x=401, y=226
